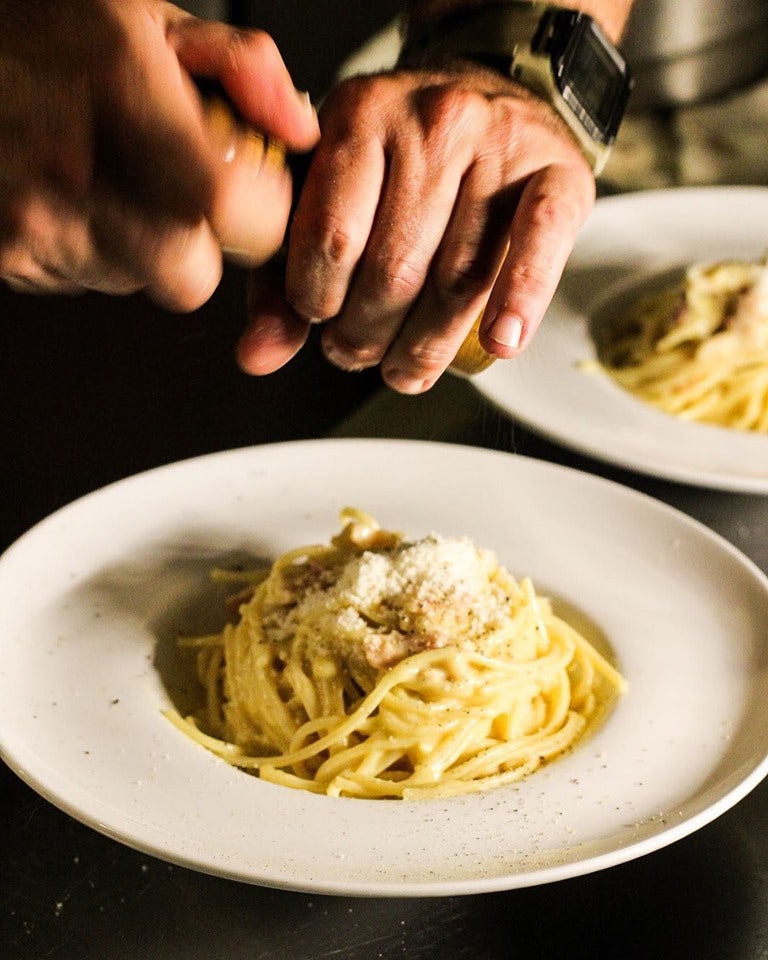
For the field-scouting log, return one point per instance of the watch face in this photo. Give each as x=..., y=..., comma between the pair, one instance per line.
x=591, y=75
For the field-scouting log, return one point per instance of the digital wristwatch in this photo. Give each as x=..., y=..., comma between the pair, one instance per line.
x=560, y=54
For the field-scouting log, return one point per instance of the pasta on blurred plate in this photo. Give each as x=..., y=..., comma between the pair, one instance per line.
x=698, y=349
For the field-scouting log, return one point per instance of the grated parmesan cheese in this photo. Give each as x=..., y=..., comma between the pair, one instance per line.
x=386, y=604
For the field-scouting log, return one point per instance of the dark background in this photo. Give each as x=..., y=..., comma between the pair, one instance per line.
x=155, y=387
x=314, y=36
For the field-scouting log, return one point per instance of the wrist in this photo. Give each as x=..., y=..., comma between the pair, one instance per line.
x=560, y=54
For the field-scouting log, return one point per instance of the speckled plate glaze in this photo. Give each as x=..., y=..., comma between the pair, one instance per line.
x=93, y=597
x=628, y=241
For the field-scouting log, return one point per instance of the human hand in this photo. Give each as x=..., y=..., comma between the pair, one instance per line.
x=113, y=176
x=433, y=196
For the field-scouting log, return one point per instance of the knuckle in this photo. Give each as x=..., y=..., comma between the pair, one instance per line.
x=241, y=45
x=348, y=108
x=447, y=107
x=550, y=219
x=350, y=353
x=333, y=239
x=322, y=255
x=358, y=92
x=548, y=211
x=529, y=284
x=530, y=279
x=428, y=355
x=397, y=281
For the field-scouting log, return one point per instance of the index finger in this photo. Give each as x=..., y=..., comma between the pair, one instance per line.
x=554, y=204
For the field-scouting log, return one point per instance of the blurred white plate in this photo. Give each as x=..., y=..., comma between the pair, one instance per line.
x=628, y=240
x=93, y=597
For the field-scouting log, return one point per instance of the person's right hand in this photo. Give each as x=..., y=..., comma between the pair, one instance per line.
x=435, y=196
x=112, y=175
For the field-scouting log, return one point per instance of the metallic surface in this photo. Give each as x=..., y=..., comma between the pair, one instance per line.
x=684, y=53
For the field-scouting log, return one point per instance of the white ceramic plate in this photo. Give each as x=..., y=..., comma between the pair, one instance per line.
x=627, y=241
x=93, y=597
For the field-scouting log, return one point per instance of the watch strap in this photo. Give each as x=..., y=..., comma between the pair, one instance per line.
x=491, y=31
x=503, y=36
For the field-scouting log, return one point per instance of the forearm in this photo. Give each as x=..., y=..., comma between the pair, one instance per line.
x=612, y=15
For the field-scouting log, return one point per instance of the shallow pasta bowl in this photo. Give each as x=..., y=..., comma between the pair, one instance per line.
x=630, y=243
x=93, y=596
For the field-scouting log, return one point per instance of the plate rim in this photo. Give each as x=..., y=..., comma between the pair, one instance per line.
x=440, y=887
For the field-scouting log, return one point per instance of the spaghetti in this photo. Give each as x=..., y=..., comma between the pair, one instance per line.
x=377, y=667
x=699, y=352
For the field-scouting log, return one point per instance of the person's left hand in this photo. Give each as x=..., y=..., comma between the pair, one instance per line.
x=431, y=197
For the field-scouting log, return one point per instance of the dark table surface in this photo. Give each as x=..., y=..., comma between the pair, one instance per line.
x=95, y=389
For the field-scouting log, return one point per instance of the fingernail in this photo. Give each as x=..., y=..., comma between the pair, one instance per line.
x=305, y=102
x=340, y=359
x=304, y=99
x=405, y=383
x=347, y=356
x=507, y=330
